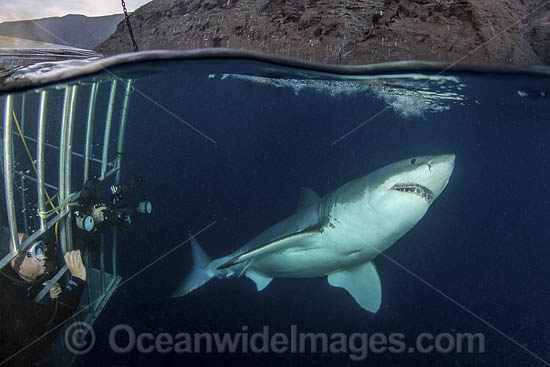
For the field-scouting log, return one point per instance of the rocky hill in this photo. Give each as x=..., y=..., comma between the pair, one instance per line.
x=71, y=30
x=348, y=31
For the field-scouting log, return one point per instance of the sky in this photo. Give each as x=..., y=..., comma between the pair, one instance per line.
x=11, y=10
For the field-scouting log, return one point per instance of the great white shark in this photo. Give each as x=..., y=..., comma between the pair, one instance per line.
x=338, y=235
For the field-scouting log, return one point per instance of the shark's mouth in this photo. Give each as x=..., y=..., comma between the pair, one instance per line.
x=415, y=189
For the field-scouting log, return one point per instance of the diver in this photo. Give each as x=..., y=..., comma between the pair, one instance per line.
x=95, y=214
x=27, y=328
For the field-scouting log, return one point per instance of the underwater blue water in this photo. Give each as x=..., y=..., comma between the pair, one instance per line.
x=476, y=263
x=484, y=243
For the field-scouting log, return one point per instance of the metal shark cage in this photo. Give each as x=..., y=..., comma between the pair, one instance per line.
x=59, y=125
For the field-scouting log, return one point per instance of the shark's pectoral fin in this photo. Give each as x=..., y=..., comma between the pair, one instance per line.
x=362, y=282
x=260, y=279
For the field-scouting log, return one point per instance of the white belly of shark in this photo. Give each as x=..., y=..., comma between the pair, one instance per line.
x=338, y=235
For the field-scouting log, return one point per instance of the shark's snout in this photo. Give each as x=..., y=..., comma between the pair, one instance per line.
x=441, y=169
x=446, y=159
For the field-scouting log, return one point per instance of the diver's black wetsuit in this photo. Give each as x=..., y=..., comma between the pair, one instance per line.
x=28, y=328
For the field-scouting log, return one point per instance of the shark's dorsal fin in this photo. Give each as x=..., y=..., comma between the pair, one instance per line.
x=362, y=282
x=307, y=197
x=260, y=279
x=279, y=244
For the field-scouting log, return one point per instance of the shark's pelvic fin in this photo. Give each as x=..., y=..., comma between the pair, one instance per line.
x=260, y=279
x=277, y=245
x=308, y=197
x=199, y=275
x=245, y=268
x=362, y=282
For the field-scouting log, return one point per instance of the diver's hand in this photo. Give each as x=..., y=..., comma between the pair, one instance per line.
x=55, y=291
x=75, y=264
x=98, y=213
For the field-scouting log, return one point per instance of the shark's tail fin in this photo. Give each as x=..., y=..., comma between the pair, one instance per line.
x=199, y=275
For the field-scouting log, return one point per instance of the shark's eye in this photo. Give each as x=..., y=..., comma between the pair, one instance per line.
x=413, y=161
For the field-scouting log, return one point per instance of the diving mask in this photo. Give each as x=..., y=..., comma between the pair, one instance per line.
x=37, y=252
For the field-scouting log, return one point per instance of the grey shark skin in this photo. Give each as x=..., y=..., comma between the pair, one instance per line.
x=338, y=235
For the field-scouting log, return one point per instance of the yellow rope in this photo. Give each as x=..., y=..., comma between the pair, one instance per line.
x=50, y=212
x=54, y=209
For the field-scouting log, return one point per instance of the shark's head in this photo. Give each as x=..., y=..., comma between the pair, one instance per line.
x=406, y=189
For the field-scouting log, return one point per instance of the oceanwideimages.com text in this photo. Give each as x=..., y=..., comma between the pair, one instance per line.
x=124, y=339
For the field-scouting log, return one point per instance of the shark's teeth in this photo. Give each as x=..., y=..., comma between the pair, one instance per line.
x=416, y=189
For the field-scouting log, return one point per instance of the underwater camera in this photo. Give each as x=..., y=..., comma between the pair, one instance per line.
x=54, y=257
x=93, y=213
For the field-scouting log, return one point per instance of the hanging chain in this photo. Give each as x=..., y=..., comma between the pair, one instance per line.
x=129, y=26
